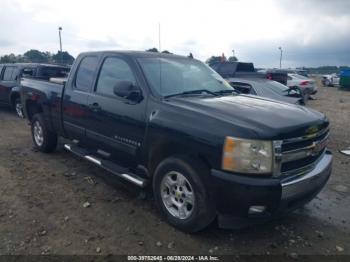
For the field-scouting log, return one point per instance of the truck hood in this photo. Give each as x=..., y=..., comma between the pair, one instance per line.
x=291, y=100
x=268, y=119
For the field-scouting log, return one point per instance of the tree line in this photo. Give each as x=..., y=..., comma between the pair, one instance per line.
x=36, y=56
x=210, y=60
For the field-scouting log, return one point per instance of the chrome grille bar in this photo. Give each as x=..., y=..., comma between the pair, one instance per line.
x=299, y=153
x=306, y=137
x=306, y=152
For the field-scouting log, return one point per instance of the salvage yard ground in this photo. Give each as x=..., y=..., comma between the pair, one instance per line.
x=60, y=204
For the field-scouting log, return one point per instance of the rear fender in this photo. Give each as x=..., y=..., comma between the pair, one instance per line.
x=14, y=94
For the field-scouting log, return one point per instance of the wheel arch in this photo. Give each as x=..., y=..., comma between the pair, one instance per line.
x=165, y=148
x=13, y=97
x=32, y=108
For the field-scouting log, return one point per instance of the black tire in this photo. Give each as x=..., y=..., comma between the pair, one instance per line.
x=18, y=107
x=49, y=138
x=203, y=212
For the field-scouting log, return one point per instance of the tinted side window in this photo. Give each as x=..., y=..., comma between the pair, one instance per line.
x=113, y=70
x=227, y=69
x=1, y=67
x=85, y=74
x=245, y=67
x=47, y=72
x=10, y=73
x=28, y=72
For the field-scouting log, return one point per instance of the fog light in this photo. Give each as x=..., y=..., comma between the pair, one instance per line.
x=256, y=210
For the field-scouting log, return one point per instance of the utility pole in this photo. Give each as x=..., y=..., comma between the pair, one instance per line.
x=60, y=37
x=280, y=48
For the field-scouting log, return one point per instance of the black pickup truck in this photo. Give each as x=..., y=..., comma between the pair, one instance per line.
x=172, y=124
x=10, y=76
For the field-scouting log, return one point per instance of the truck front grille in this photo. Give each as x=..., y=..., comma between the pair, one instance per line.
x=300, y=155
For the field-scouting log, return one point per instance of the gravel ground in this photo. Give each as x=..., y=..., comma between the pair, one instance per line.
x=42, y=201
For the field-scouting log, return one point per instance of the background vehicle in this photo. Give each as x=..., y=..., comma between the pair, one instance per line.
x=172, y=123
x=261, y=86
x=277, y=75
x=10, y=75
x=229, y=69
x=302, y=72
x=260, y=83
x=306, y=85
x=330, y=80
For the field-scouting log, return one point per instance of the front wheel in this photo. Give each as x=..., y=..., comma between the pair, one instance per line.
x=181, y=195
x=44, y=139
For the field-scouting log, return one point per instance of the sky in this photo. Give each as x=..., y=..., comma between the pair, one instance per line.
x=310, y=32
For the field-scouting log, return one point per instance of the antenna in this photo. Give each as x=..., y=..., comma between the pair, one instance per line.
x=159, y=59
x=159, y=46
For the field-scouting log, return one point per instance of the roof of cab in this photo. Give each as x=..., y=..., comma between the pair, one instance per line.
x=135, y=54
x=33, y=65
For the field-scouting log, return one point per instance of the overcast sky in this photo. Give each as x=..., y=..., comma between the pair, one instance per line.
x=311, y=32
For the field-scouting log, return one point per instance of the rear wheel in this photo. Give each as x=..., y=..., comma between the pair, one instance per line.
x=43, y=139
x=181, y=195
x=19, y=108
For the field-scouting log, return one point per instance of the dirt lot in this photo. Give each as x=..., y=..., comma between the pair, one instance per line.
x=42, y=197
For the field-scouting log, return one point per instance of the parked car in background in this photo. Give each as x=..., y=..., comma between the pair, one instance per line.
x=182, y=130
x=307, y=86
x=245, y=79
x=330, y=80
x=229, y=69
x=10, y=75
x=278, y=75
x=261, y=86
x=302, y=72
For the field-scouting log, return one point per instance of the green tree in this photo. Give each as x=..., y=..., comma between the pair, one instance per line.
x=232, y=59
x=152, y=50
x=11, y=58
x=213, y=59
x=20, y=59
x=166, y=52
x=63, y=58
x=36, y=56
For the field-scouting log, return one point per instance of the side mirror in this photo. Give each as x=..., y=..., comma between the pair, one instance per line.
x=127, y=90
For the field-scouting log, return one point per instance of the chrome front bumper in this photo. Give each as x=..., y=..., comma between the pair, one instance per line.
x=296, y=186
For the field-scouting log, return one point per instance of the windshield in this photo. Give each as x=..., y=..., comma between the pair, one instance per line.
x=170, y=76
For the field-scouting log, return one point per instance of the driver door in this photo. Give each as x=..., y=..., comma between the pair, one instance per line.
x=116, y=124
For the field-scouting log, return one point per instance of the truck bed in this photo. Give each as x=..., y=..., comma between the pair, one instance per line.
x=48, y=94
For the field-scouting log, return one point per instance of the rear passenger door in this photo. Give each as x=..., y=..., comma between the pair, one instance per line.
x=8, y=80
x=117, y=124
x=74, y=104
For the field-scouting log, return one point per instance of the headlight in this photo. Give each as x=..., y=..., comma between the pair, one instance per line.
x=247, y=156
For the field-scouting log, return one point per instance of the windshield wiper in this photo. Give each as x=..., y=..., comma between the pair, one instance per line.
x=226, y=91
x=199, y=91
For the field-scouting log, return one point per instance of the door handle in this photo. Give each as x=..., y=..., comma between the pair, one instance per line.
x=95, y=107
